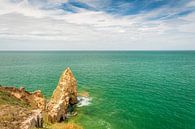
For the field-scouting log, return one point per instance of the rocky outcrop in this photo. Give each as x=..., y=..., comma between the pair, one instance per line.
x=18, y=115
x=35, y=99
x=21, y=109
x=34, y=120
x=26, y=110
x=64, y=96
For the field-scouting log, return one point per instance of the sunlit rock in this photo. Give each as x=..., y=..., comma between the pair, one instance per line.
x=63, y=96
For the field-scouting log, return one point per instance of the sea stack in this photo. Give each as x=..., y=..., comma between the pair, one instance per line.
x=64, y=96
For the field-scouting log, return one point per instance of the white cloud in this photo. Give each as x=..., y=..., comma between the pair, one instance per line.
x=94, y=30
x=191, y=4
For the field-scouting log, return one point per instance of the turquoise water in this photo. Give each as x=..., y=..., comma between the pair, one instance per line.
x=129, y=89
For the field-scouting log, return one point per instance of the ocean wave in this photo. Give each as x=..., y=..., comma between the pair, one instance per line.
x=83, y=101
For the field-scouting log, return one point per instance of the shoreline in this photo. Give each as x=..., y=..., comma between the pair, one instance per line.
x=43, y=113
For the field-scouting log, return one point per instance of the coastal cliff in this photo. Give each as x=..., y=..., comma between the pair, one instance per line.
x=64, y=96
x=27, y=108
x=34, y=99
x=20, y=109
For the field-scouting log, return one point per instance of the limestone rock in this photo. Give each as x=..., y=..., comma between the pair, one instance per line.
x=18, y=114
x=64, y=95
x=39, y=99
x=34, y=120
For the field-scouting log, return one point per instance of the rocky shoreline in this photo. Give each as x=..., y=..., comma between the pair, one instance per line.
x=36, y=110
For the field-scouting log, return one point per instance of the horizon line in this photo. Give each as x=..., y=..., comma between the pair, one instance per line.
x=96, y=50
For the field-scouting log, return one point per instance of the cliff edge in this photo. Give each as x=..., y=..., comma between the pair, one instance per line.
x=21, y=109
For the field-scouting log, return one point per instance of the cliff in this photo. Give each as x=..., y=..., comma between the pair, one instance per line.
x=34, y=99
x=25, y=109
x=19, y=110
x=64, y=96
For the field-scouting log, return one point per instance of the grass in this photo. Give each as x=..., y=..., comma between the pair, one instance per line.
x=69, y=125
x=13, y=109
x=6, y=99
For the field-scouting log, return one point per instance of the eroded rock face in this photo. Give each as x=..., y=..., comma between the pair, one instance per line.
x=34, y=120
x=64, y=95
x=35, y=99
x=16, y=110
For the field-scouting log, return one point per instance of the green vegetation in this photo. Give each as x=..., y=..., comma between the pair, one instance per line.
x=69, y=124
x=7, y=99
x=63, y=125
x=13, y=111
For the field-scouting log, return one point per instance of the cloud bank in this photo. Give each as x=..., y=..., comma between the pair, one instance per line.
x=97, y=25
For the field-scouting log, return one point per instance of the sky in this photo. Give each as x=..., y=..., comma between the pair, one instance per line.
x=97, y=24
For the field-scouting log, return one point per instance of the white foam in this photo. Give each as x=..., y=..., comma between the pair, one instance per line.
x=83, y=101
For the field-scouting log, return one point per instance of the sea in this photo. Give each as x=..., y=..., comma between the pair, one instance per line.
x=127, y=89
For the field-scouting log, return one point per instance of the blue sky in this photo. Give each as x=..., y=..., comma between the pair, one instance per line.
x=97, y=25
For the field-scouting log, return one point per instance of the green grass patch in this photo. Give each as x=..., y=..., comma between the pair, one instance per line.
x=7, y=99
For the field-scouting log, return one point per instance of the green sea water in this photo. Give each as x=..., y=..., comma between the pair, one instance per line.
x=129, y=89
